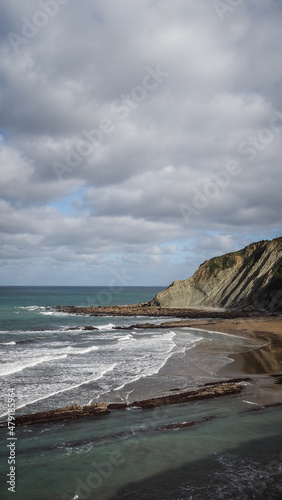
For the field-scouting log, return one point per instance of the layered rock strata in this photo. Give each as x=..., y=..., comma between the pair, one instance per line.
x=249, y=278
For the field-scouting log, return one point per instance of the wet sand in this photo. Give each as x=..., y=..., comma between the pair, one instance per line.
x=260, y=364
x=265, y=360
x=268, y=330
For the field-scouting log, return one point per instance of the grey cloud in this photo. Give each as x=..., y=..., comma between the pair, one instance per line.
x=218, y=103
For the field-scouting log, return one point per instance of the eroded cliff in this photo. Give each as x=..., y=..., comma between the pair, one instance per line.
x=249, y=278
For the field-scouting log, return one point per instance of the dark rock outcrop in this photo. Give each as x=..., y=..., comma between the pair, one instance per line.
x=217, y=390
x=90, y=328
x=67, y=412
x=278, y=378
x=181, y=425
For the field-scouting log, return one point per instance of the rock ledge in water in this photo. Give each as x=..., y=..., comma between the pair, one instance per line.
x=67, y=412
x=71, y=412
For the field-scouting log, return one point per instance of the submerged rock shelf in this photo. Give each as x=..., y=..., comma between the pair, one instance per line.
x=72, y=412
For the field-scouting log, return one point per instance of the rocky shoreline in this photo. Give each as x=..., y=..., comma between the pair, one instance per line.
x=218, y=389
x=214, y=318
x=148, y=310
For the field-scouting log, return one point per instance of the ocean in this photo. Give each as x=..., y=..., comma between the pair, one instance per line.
x=49, y=360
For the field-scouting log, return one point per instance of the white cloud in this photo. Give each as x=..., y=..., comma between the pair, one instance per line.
x=213, y=98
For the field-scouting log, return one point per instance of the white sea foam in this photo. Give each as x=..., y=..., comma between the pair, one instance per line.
x=126, y=337
x=252, y=341
x=47, y=311
x=250, y=402
x=7, y=343
x=55, y=313
x=66, y=389
x=140, y=359
x=109, y=326
x=73, y=351
x=32, y=308
x=134, y=379
x=9, y=368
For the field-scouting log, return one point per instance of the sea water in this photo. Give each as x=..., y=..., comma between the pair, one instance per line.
x=49, y=361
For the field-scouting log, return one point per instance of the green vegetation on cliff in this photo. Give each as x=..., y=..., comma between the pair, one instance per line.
x=220, y=263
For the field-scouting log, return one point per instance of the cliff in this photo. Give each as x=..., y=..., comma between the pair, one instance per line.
x=249, y=278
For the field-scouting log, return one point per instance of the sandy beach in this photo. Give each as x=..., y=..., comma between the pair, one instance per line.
x=260, y=364
x=255, y=327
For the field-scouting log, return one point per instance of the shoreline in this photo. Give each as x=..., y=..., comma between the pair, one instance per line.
x=262, y=365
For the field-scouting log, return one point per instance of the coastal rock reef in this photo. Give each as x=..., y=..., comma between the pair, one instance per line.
x=248, y=278
x=210, y=390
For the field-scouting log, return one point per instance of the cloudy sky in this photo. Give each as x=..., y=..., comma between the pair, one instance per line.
x=138, y=138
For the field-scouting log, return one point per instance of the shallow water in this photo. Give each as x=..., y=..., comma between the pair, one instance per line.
x=129, y=455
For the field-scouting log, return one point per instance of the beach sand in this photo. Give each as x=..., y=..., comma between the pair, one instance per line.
x=260, y=364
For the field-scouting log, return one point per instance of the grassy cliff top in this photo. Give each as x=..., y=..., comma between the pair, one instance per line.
x=252, y=253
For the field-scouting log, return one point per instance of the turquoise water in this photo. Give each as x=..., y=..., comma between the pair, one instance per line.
x=127, y=454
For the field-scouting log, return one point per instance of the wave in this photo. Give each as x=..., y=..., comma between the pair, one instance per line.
x=84, y=382
x=47, y=311
x=126, y=337
x=141, y=359
x=8, y=343
x=109, y=326
x=10, y=368
x=249, y=342
x=73, y=351
x=32, y=308
x=134, y=379
x=56, y=313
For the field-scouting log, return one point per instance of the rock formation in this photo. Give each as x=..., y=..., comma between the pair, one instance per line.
x=66, y=412
x=146, y=309
x=249, y=278
x=210, y=390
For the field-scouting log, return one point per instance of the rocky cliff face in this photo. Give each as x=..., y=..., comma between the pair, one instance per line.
x=249, y=278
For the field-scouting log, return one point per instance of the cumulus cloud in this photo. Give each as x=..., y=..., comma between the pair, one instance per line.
x=143, y=134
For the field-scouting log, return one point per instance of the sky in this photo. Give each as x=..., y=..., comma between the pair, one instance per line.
x=138, y=138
